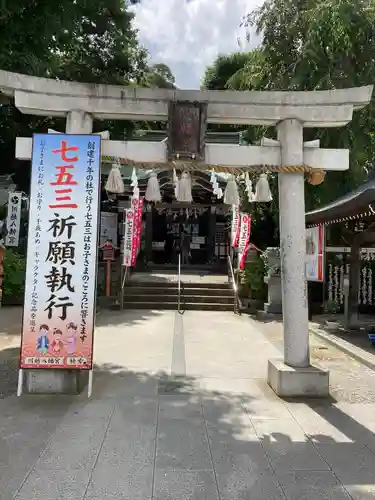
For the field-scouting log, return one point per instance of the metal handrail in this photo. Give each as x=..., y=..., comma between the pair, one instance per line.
x=124, y=279
x=235, y=286
x=179, y=284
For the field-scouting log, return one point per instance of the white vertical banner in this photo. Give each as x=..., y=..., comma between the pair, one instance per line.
x=62, y=247
x=235, y=233
x=128, y=237
x=314, y=262
x=13, y=219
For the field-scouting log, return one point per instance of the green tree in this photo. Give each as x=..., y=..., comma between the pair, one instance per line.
x=83, y=40
x=160, y=76
x=217, y=75
x=319, y=45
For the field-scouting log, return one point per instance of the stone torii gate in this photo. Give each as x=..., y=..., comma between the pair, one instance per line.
x=290, y=112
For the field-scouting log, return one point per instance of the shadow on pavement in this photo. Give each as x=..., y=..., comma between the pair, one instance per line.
x=166, y=435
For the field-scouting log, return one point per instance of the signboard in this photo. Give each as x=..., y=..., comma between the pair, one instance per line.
x=128, y=237
x=314, y=263
x=235, y=225
x=59, y=307
x=137, y=206
x=13, y=220
x=244, y=238
x=108, y=228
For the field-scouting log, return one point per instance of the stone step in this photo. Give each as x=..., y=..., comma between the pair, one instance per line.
x=198, y=299
x=207, y=291
x=172, y=306
x=173, y=284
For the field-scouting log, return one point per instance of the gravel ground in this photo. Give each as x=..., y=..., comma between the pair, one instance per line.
x=350, y=381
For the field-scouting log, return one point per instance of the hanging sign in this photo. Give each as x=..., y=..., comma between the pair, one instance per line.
x=235, y=225
x=13, y=220
x=244, y=238
x=60, y=291
x=314, y=263
x=128, y=237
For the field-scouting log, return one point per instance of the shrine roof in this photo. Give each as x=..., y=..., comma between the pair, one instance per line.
x=354, y=204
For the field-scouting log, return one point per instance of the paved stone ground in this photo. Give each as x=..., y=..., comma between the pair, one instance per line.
x=181, y=410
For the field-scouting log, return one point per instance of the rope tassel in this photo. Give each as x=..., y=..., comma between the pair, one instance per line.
x=262, y=190
x=153, y=188
x=114, y=182
x=231, y=196
x=184, y=189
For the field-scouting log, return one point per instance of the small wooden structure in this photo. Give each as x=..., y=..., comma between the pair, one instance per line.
x=355, y=213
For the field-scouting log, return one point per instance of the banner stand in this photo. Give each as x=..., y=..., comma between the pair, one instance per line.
x=89, y=385
x=20, y=383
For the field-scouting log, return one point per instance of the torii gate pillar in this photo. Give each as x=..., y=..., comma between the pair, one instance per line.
x=295, y=376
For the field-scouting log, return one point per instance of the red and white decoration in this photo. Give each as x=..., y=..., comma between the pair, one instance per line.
x=137, y=207
x=244, y=238
x=128, y=237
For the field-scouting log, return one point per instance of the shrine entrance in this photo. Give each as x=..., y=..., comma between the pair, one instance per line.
x=204, y=220
x=185, y=150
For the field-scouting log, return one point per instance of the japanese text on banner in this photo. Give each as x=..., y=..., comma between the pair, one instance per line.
x=235, y=232
x=137, y=205
x=244, y=238
x=59, y=306
x=128, y=237
x=13, y=220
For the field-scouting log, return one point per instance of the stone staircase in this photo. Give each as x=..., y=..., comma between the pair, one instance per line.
x=196, y=295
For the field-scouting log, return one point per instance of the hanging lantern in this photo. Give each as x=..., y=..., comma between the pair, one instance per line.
x=231, y=196
x=153, y=188
x=184, y=189
x=114, y=182
x=262, y=190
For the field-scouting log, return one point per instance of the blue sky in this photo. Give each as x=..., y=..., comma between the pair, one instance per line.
x=188, y=35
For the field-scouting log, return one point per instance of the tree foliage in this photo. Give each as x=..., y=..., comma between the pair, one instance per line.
x=321, y=45
x=160, y=76
x=83, y=40
x=313, y=45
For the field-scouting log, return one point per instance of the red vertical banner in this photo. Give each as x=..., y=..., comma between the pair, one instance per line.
x=139, y=223
x=137, y=206
x=321, y=254
x=244, y=239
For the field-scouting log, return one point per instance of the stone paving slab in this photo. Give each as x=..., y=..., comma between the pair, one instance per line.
x=205, y=434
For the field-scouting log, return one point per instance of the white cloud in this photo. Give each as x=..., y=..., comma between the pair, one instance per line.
x=189, y=34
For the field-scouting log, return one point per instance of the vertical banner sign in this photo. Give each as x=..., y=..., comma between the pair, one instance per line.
x=137, y=205
x=59, y=307
x=128, y=237
x=314, y=263
x=244, y=238
x=139, y=228
x=13, y=220
x=235, y=225
x=134, y=206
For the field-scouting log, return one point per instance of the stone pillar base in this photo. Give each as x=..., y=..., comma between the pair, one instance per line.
x=54, y=381
x=297, y=382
